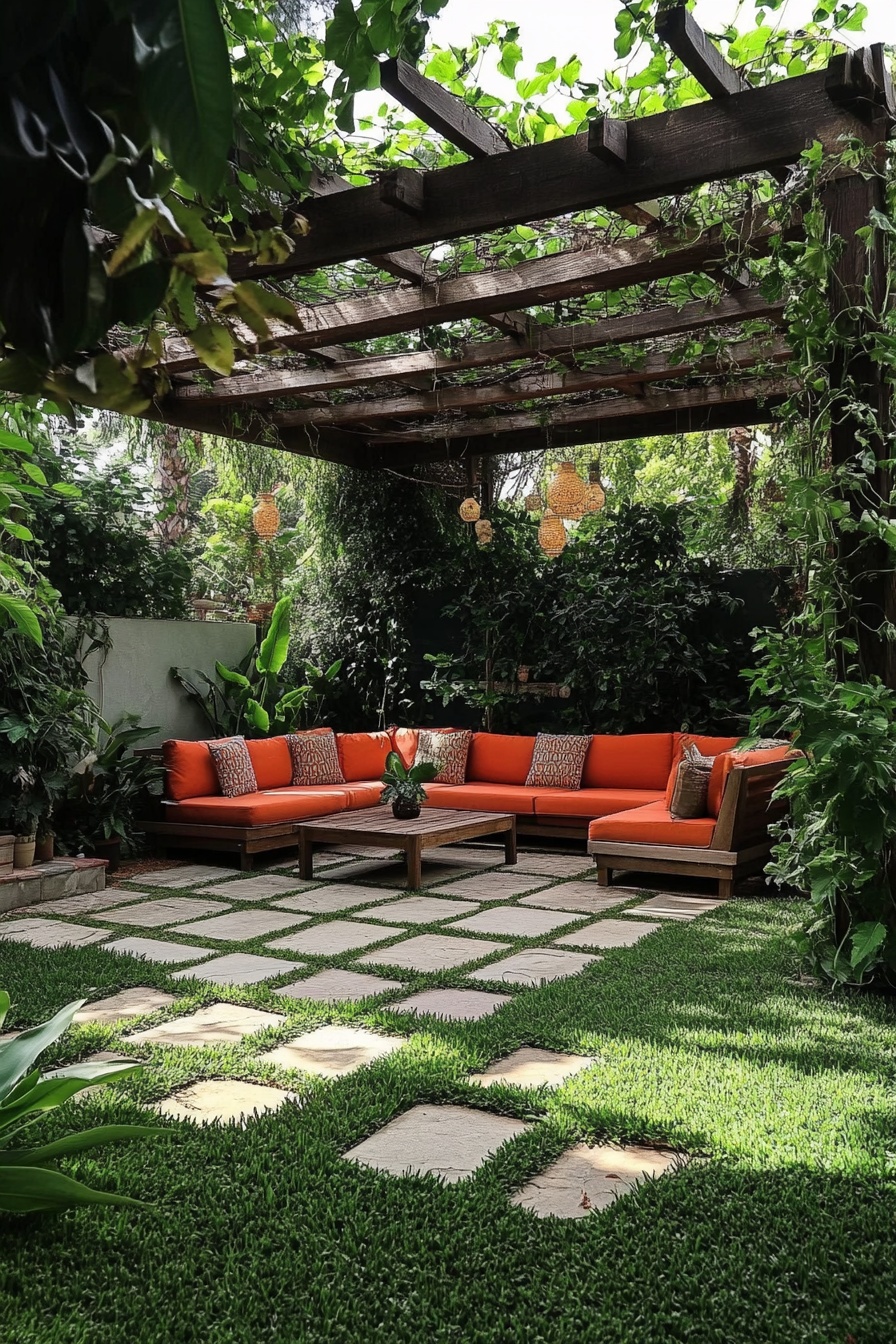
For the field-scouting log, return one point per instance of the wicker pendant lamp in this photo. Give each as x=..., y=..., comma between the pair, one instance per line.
x=595, y=495
x=534, y=503
x=551, y=533
x=266, y=516
x=469, y=510
x=484, y=531
x=566, y=492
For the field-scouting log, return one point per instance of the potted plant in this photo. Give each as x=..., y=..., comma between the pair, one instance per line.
x=26, y=809
x=404, y=786
x=107, y=787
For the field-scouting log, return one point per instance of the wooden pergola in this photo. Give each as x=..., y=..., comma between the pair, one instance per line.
x=318, y=389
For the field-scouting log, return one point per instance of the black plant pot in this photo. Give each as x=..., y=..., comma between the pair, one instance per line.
x=403, y=811
x=110, y=850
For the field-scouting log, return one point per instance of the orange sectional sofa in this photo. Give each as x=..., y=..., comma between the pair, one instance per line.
x=624, y=797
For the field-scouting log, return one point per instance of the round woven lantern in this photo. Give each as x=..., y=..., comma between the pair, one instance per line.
x=484, y=532
x=551, y=533
x=566, y=492
x=266, y=516
x=469, y=510
x=595, y=495
x=534, y=503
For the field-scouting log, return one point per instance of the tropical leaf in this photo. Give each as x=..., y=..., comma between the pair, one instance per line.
x=275, y=645
x=36, y=1190
x=22, y=617
x=234, y=678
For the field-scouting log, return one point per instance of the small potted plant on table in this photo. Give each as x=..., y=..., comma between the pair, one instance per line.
x=404, y=786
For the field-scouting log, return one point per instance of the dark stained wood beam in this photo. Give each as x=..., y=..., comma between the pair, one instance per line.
x=628, y=261
x=680, y=31
x=608, y=141
x=406, y=265
x=667, y=153
x=543, y=342
x=442, y=110
x=656, y=367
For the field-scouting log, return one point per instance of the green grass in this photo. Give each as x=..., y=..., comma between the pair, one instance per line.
x=704, y=1040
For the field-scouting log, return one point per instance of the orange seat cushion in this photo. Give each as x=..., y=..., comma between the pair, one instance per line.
x=363, y=755
x=271, y=761
x=727, y=760
x=707, y=746
x=628, y=761
x=257, y=809
x=499, y=758
x=483, y=797
x=590, y=802
x=189, y=770
x=653, y=825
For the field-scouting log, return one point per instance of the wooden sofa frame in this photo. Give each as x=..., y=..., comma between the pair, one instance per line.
x=740, y=842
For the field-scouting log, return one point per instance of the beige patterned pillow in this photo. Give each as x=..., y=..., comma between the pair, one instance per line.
x=558, y=761
x=689, y=797
x=315, y=759
x=233, y=766
x=448, y=751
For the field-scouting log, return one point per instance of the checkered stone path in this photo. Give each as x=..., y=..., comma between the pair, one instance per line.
x=514, y=922
x=240, y=925
x=187, y=875
x=218, y=1023
x=450, y=1142
x=584, y=898
x=552, y=865
x=262, y=887
x=90, y=904
x=531, y=1067
x=607, y=933
x=396, y=874
x=334, y=937
x=432, y=952
x=456, y=1005
x=223, y=1101
x=535, y=966
x=51, y=933
x=492, y=886
x=420, y=910
x=465, y=856
x=333, y=1051
x=336, y=986
x=675, y=907
x=156, y=914
x=154, y=949
x=138, y=1002
x=329, y=900
x=585, y=1179
x=238, y=968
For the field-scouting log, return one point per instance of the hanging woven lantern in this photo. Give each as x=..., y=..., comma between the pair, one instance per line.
x=534, y=503
x=469, y=510
x=484, y=532
x=566, y=492
x=266, y=516
x=595, y=495
x=551, y=533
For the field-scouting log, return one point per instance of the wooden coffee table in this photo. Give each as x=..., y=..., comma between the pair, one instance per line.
x=377, y=826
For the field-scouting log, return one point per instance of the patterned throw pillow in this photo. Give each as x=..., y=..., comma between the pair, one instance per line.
x=448, y=751
x=558, y=761
x=233, y=766
x=689, y=797
x=315, y=759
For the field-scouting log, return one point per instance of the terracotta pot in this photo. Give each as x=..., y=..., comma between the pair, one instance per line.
x=44, y=847
x=403, y=811
x=23, y=851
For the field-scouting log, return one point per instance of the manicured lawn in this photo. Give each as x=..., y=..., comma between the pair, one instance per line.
x=704, y=1040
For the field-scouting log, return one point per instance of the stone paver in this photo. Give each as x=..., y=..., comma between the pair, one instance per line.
x=531, y=1067
x=129, y=1003
x=432, y=952
x=154, y=949
x=458, y=1005
x=355, y=852
x=450, y=1142
x=607, y=933
x=89, y=904
x=239, y=968
x=492, y=886
x=514, y=922
x=241, y=925
x=467, y=856
x=586, y=1178
x=188, y=875
x=585, y=898
x=223, y=1100
x=51, y=933
x=675, y=907
x=552, y=865
x=338, y=935
x=216, y=1023
x=333, y=1051
x=395, y=874
x=420, y=910
x=262, y=887
x=170, y=910
x=535, y=966
x=329, y=900
x=336, y=986
x=366, y=867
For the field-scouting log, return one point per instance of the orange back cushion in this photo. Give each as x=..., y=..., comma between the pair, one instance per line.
x=628, y=761
x=363, y=755
x=271, y=761
x=725, y=763
x=499, y=758
x=189, y=770
x=404, y=741
x=707, y=746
